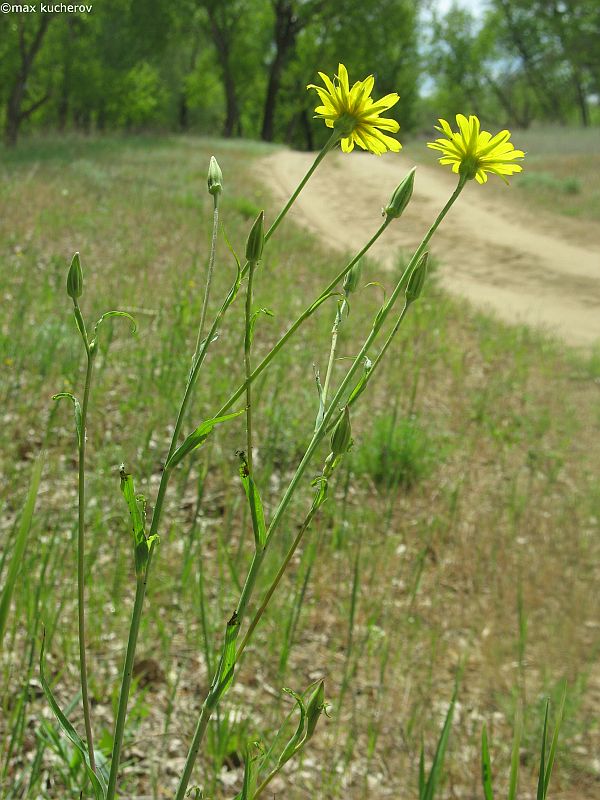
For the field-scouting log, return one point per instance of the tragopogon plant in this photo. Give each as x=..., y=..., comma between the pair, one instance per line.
x=354, y=118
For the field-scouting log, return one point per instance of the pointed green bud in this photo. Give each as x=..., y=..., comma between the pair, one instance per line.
x=215, y=177
x=75, y=279
x=256, y=239
x=314, y=708
x=352, y=278
x=401, y=197
x=342, y=434
x=417, y=279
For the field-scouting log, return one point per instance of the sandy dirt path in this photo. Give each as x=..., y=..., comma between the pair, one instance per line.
x=539, y=269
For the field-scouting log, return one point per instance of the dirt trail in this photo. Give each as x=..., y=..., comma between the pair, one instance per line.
x=540, y=269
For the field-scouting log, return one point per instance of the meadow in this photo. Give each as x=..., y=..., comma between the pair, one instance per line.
x=460, y=537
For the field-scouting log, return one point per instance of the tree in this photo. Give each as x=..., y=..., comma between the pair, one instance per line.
x=25, y=37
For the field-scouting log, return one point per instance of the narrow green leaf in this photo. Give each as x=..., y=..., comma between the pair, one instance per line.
x=438, y=759
x=97, y=780
x=224, y=674
x=486, y=767
x=542, y=776
x=288, y=750
x=108, y=314
x=78, y=414
x=321, y=411
x=321, y=494
x=422, y=772
x=16, y=560
x=320, y=300
x=137, y=511
x=514, y=761
x=198, y=437
x=361, y=385
x=254, y=319
x=256, y=507
x=554, y=744
x=250, y=771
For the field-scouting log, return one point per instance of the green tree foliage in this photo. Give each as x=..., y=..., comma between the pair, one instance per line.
x=522, y=60
x=240, y=67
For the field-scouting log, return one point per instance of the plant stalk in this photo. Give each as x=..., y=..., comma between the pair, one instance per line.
x=247, y=365
x=201, y=350
x=140, y=591
x=215, y=695
x=209, y=272
x=81, y=544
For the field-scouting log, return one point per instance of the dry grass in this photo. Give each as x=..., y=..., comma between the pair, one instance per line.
x=506, y=505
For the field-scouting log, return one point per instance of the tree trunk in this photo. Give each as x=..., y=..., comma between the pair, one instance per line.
x=14, y=106
x=231, y=106
x=222, y=33
x=287, y=26
x=306, y=127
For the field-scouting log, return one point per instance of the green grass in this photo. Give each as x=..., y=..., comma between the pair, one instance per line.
x=493, y=431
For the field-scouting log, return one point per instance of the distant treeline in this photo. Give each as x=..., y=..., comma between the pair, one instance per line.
x=240, y=67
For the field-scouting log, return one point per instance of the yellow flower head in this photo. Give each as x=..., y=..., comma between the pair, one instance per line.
x=473, y=152
x=355, y=114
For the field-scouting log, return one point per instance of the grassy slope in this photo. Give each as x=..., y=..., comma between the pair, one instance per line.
x=493, y=431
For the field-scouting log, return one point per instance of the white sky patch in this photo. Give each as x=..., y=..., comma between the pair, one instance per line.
x=476, y=7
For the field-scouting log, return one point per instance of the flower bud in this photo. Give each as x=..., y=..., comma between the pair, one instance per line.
x=75, y=279
x=401, y=196
x=215, y=177
x=417, y=279
x=256, y=239
x=314, y=709
x=352, y=278
x=342, y=434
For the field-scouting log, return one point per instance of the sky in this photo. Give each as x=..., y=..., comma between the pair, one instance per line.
x=476, y=7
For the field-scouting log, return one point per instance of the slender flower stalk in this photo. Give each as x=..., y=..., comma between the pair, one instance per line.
x=334, y=337
x=216, y=692
x=209, y=272
x=140, y=592
x=201, y=351
x=254, y=248
x=308, y=312
x=329, y=145
x=81, y=541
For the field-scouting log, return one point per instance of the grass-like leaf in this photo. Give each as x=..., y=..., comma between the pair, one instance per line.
x=256, y=507
x=224, y=674
x=438, y=760
x=198, y=437
x=288, y=750
x=20, y=543
x=486, y=766
x=77, y=410
x=97, y=780
x=514, y=761
x=554, y=744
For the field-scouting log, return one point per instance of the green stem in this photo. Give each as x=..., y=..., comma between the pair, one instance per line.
x=140, y=591
x=247, y=365
x=201, y=351
x=334, y=338
x=277, y=769
x=380, y=319
x=301, y=319
x=81, y=541
x=276, y=580
x=215, y=695
x=209, y=272
x=329, y=145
